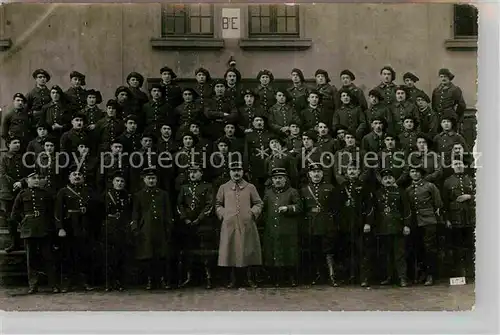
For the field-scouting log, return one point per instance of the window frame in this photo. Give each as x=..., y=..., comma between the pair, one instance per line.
x=273, y=18
x=459, y=36
x=187, y=21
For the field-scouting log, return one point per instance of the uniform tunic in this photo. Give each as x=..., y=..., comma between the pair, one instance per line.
x=344, y=157
x=431, y=162
x=444, y=141
x=166, y=168
x=173, y=94
x=131, y=141
x=256, y=152
x=139, y=96
x=284, y=161
x=449, y=96
x=351, y=117
x=294, y=144
x=429, y=121
x=246, y=115
x=17, y=123
x=392, y=210
x=107, y=130
x=267, y=97
x=357, y=92
x=186, y=113
x=114, y=230
x=155, y=114
x=204, y=92
x=328, y=96
x=36, y=145
x=388, y=91
x=153, y=223
x=312, y=116
x=78, y=98
x=398, y=112
x=12, y=170
x=55, y=112
x=408, y=140
x=460, y=214
x=71, y=139
x=52, y=177
x=425, y=200
x=414, y=92
x=234, y=95
x=282, y=116
x=238, y=206
x=35, y=100
x=379, y=110
x=395, y=160
x=281, y=230
x=372, y=142
x=299, y=96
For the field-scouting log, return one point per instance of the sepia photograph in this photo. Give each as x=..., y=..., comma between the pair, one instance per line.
x=238, y=156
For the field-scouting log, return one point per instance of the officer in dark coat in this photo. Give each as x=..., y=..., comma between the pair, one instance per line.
x=152, y=223
x=392, y=225
x=347, y=78
x=76, y=220
x=114, y=231
x=387, y=87
x=39, y=95
x=410, y=79
x=135, y=81
x=320, y=229
x=18, y=121
x=72, y=138
x=76, y=93
x=265, y=89
x=447, y=95
x=195, y=206
x=33, y=209
x=173, y=92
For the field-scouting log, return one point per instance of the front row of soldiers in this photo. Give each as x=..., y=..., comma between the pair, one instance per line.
x=327, y=231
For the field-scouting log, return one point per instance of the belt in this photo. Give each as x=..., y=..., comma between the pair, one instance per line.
x=82, y=210
x=114, y=216
x=35, y=214
x=315, y=209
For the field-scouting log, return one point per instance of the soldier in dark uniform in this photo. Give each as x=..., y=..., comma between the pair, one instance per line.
x=39, y=96
x=325, y=141
x=350, y=114
x=156, y=111
x=279, y=158
x=347, y=78
x=429, y=119
x=338, y=137
x=112, y=161
x=109, y=127
x=355, y=240
x=76, y=93
x=298, y=92
x=251, y=108
x=343, y=158
x=18, y=122
x=195, y=206
x=316, y=111
x=460, y=216
x=88, y=163
x=265, y=90
x=130, y=138
x=144, y=158
x=309, y=154
x=219, y=110
x=220, y=164
x=12, y=173
x=392, y=226
x=135, y=81
x=184, y=157
x=36, y=145
x=203, y=144
x=152, y=223
x=166, y=147
x=92, y=114
x=328, y=92
x=114, y=231
x=447, y=95
x=33, y=209
x=377, y=108
x=392, y=158
x=173, y=93
x=425, y=204
x=294, y=140
x=410, y=79
x=126, y=103
x=387, y=87
x=76, y=223
x=233, y=91
x=282, y=113
x=187, y=112
x=234, y=138
x=321, y=229
x=374, y=140
x=58, y=113
x=49, y=168
x=427, y=159
x=408, y=137
x=281, y=213
x=203, y=86
x=72, y=138
x=401, y=108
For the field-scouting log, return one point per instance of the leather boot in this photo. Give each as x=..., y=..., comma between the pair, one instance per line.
x=33, y=289
x=232, y=279
x=119, y=286
x=188, y=279
x=208, y=278
x=386, y=281
x=165, y=284
x=403, y=282
x=429, y=281
x=149, y=285
x=250, y=280
x=331, y=270
x=14, y=245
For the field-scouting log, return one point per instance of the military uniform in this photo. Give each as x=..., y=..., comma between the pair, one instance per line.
x=112, y=164
x=35, y=100
x=131, y=141
x=155, y=114
x=204, y=92
x=246, y=115
x=57, y=112
x=373, y=142
x=36, y=145
x=71, y=139
x=108, y=129
x=312, y=116
x=408, y=140
x=357, y=93
x=52, y=178
x=166, y=166
x=380, y=110
x=429, y=121
x=282, y=116
x=299, y=96
x=78, y=98
x=18, y=123
x=328, y=96
x=397, y=114
x=294, y=144
x=142, y=159
x=187, y=113
x=351, y=117
x=449, y=97
x=267, y=97
x=346, y=156
x=234, y=95
x=256, y=152
x=395, y=161
x=215, y=110
x=388, y=91
x=431, y=162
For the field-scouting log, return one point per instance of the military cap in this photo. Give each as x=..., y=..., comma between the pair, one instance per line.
x=267, y=73
x=121, y=89
x=112, y=103
x=287, y=95
x=118, y=174
x=377, y=94
x=58, y=89
x=235, y=71
x=95, y=93
x=50, y=139
x=19, y=95
x=223, y=139
x=349, y=73
x=79, y=115
x=424, y=96
x=351, y=132
x=43, y=124
x=349, y=93
x=278, y=138
x=449, y=114
x=404, y=89
x=219, y=81
x=33, y=174
x=279, y=172
x=158, y=87
x=169, y=70
x=263, y=117
x=323, y=72
x=411, y=76
x=314, y=166
x=192, y=90
x=250, y=92
x=236, y=165
x=391, y=70
x=311, y=134
x=137, y=76
x=76, y=74
x=391, y=135
x=386, y=172
x=447, y=73
x=299, y=73
x=204, y=71
x=149, y=171
x=13, y=138
x=426, y=137
x=41, y=71
x=131, y=117
x=115, y=140
x=378, y=117
x=190, y=134
x=195, y=166
x=418, y=167
x=339, y=127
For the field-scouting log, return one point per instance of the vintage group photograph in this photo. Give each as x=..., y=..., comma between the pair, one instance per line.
x=238, y=157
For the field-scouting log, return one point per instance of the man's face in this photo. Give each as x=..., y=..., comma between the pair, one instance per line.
x=150, y=181
x=54, y=95
x=231, y=78
x=249, y=99
x=195, y=129
x=373, y=99
x=400, y=95
x=166, y=76
x=386, y=76
x=421, y=103
x=49, y=147
x=236, y=174
x=349, y=140
x=410, y=83
x=341, y=134
x=295, y=78
x=76, y=177
x=131, y=126
x=280, y=97
x=316, y=176
x=41, y=80
x=119, y=182
x=42, y=132
x=345, y=79
x=279, y=181
x=408, y=124
x=421, y=144
x=294, y=129
x=111, y=111
x=195, y=175
x=187, y=141
x=77, y=123
x=223, y=147
x=444, y=79
x=345, y=98
x=313, y=99
x=219, y=89
x=18, y=103
x=147, y=142
x=258, y=123
x=15, y=145
x=201, y=78
x=156, y=93
x=187, y=96
x=390, y=142
x=91, y=100
x=166, y=131
x=352, y=172
x=320, y=79
x=82, y=149
x=388, y=180
x=458, y=149
x=116, y=148
x=322, y=129
x=377, y=125
x=274, y=145
x=33, y=181
x=122, y=97
x=264, y=80
x=133, y=82
x=76, y=82
x=229, y=130
x=415, y=174
x=458, y=166
x=307, y=142
x=446, y=124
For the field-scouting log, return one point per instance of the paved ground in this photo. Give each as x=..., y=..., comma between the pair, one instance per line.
x=324, y=298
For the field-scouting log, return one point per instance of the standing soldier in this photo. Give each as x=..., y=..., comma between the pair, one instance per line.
x=144, y=158
x=12, y=173
x=166, y=147
x=109, y=127
x=203, y=86
x=49, y=168
x=325, y=140
x=350, y=114
x=348, y=154
x=282, y=207
x=448, y=96
x=93, y=114
x=316, y=111
x=152, y=222
x=377, y=108
x=235, y=140
x=279, y=158
x=429, y=119
x=58, y=112
x=173, y=93
x=155, y=112
x=135, y=81
x=130, y=138
x=187, y=112
x=250, y=109
x=401, y=109
x=392, y=225
x=36, y=145
x=282, y=114
x=233, y=91
x=347, y=78
x=410, y=79
x=18, y=121
x=425, y=204
x=112, y=161
x=427, y=159
x=114, y=231
x=71, y=139
x=408, y=137
x=265, y=90
x=298, y=92
x=374, y=140
x=39, y=96
x=194, y=205
x=186, y=155
x=33, y=208
x=294, y=140
x=460, y=215
x=328, y=92
x=320, y=228
x=392, y=158
x=238, y=205
x=219, y=110
x=76, y=93
x=75, y=217
x=126, y=103
x=387, y=87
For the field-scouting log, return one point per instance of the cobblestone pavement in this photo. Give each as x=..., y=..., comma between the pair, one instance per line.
x=323, y=298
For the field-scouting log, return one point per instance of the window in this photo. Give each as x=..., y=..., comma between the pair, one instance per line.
x=184, y=19
x=465, y=21
x=266, y=20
